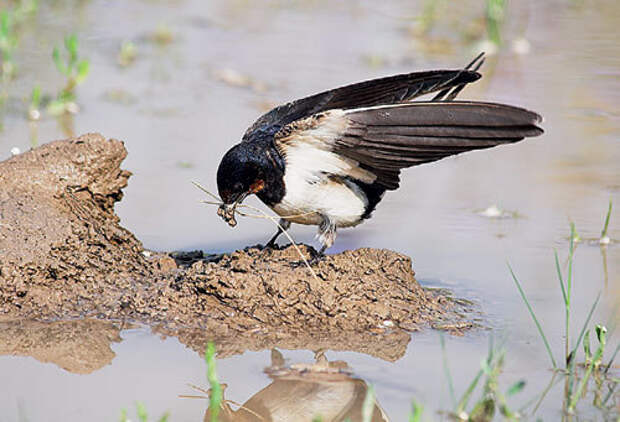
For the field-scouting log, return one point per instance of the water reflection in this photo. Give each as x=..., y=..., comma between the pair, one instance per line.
x=321, y=390
x=389, y=345
x=80, y=346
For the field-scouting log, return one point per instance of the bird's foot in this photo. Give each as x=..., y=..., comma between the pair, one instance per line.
x=269, y=246
x=268, y=249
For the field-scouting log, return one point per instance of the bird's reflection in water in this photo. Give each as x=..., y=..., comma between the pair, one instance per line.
x=323, y=391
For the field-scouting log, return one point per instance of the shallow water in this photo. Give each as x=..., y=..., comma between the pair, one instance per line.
x=177, y=119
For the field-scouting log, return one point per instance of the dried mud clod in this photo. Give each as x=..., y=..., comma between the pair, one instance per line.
x=63, y=255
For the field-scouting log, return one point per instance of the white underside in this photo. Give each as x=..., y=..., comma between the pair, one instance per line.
x=310, y=202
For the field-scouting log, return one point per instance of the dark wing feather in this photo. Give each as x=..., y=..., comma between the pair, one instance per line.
x=386, y=139
x=389, y=90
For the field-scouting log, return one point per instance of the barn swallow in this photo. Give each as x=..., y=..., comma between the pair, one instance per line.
x=326, y=160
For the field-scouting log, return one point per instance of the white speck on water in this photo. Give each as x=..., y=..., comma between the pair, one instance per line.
x=147, y=253
x=15, y=151
x=488, y=46
x=34, y=114
x=521, y=46
x=605, y=240
x=72, y=108
x=492, y=212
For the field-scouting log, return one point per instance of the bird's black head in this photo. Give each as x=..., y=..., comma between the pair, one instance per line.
x=240, y=174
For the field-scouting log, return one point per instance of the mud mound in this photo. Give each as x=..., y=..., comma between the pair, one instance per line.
x=361, y=289
x=60, y=241
x=63, y=255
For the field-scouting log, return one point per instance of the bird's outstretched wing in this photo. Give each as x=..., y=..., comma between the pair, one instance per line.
x=372, y=144
x=389, y=90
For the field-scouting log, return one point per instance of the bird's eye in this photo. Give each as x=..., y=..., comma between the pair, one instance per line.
x=238, y=187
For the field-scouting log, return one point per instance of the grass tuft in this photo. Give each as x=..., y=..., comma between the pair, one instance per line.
x=75, y=70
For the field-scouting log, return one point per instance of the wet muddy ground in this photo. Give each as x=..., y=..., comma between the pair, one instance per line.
x=202, y=73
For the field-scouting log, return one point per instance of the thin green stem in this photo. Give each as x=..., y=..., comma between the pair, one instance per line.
x=559, y=271
x=446, y=368
x=585, y=325
x=467, y=394
x=215, y=399
x=569, y=282
x=613, y=357
x=601, y=331
x=604, y=232
x=529, y=307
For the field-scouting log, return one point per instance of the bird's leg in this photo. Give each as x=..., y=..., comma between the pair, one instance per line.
x=282, y=225
x=327, y=236
x=318, y=256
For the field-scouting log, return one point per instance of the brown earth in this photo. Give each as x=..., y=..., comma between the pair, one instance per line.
x=63, y=255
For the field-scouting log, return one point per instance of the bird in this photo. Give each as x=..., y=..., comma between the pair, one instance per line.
x=328, y=159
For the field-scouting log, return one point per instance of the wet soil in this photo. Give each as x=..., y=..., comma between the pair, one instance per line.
x=64, y=255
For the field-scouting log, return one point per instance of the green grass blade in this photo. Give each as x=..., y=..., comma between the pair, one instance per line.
x=58, y=61
x=584, y=380
x=585, y=325
x=604, y=232
x=533, y=315
x=569, y=283
x=83, y=68
x=515, y=388
x=467, y=394
x=610, y=393
x=613, y=357
x=141, y=411
x=559, y=270
x=215, y=399
x=35, y=96
x=446, y=368
x=416, y=412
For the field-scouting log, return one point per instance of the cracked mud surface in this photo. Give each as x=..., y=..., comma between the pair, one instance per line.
x=63, y=255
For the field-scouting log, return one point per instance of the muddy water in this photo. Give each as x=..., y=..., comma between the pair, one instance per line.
x=177, y=109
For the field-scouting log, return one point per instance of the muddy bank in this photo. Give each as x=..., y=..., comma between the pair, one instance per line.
x=64, y=255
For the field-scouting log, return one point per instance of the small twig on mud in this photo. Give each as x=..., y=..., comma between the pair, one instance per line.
x=265, y=216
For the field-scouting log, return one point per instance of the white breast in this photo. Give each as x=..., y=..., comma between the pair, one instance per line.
x=311, y=192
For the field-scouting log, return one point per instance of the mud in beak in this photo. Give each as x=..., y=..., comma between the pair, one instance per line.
x=227, y=211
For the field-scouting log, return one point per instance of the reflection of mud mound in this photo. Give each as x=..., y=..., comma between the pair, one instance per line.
x=63, y=254
x=77, y=346
x=388, y=345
